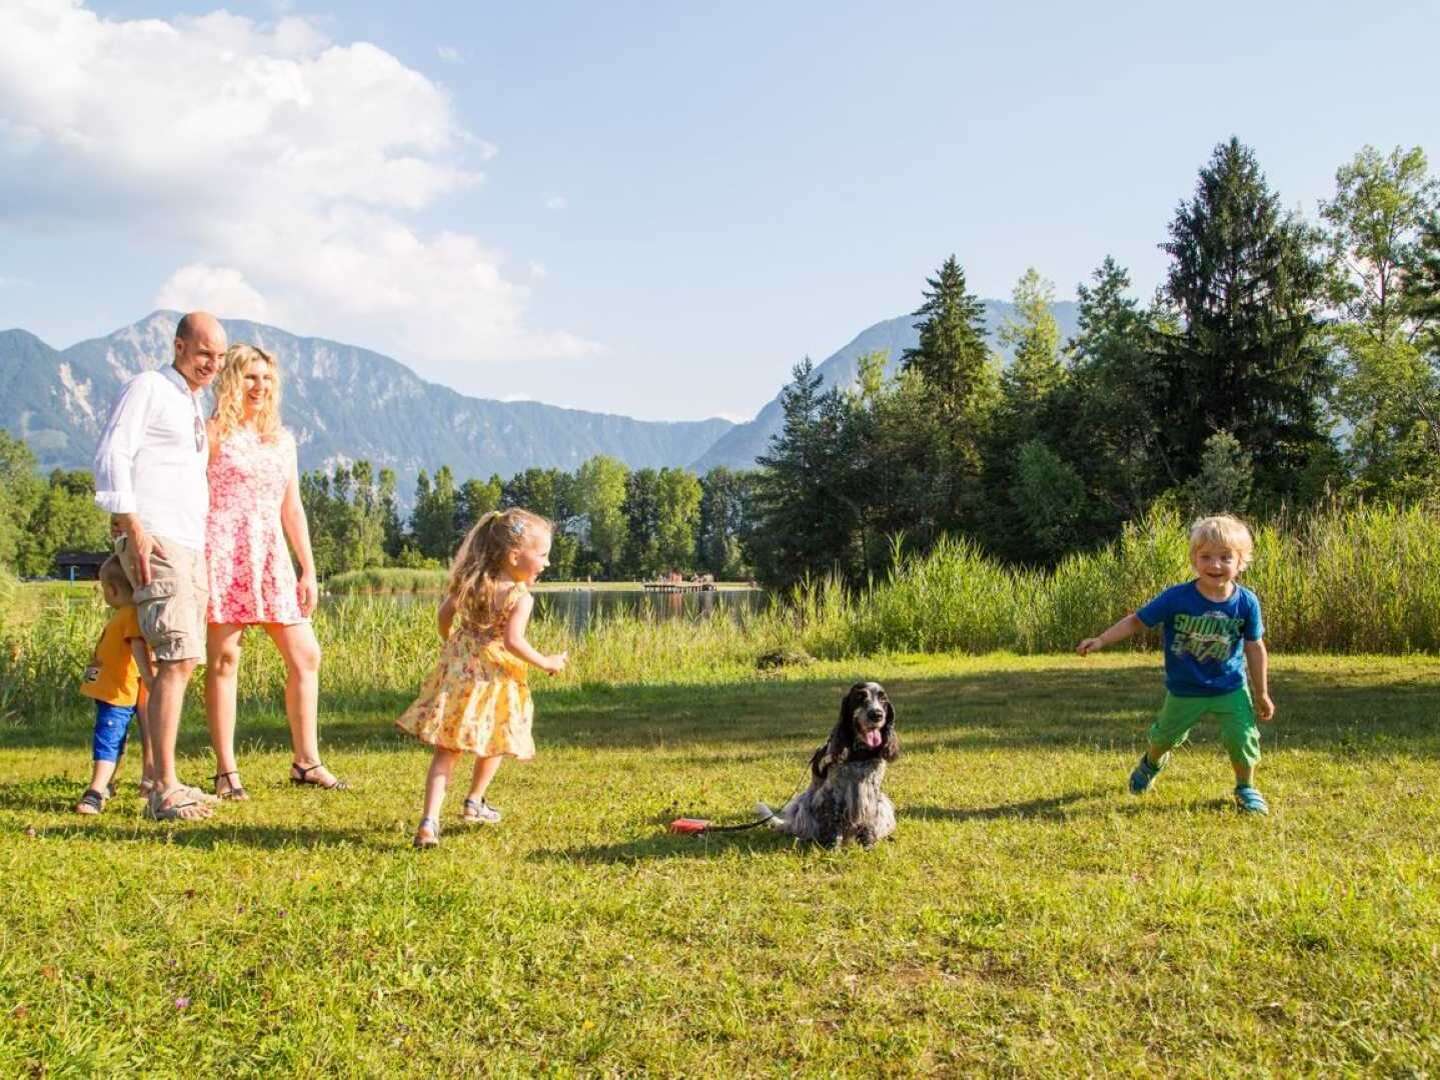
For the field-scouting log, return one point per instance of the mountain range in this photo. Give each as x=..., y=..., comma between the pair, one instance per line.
x=346, y=403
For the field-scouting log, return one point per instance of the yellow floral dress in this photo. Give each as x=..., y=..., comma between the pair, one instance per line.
x=476, y=699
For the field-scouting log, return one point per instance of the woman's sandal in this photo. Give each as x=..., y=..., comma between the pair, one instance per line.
x=177, y=804
x=428, y=834
x=299, y=774
x=92, y=802
x=234, y=790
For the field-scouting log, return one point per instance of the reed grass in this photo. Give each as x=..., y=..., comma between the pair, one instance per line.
x=1360, y=581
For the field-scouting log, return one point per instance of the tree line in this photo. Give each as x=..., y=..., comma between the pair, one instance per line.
x=611, y=522
x=1281, y=362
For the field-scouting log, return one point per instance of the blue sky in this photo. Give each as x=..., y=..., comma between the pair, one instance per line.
x=653, y=209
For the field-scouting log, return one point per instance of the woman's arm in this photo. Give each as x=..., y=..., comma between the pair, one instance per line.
x=297, y=531
x=515, y=639
x=1121, y=630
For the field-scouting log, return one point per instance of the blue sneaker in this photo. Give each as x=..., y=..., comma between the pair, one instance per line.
x=1250, y=801
x=1143, y=775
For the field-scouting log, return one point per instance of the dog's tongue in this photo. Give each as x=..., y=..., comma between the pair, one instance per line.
x=872, y=738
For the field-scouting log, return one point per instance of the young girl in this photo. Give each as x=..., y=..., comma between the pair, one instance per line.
x=476, y=700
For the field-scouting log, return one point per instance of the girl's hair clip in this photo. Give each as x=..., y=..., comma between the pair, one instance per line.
x=517, y=528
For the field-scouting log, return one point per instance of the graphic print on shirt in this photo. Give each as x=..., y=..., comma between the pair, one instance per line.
x=1211, y=636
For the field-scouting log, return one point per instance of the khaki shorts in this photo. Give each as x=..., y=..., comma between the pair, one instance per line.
x=172, y=606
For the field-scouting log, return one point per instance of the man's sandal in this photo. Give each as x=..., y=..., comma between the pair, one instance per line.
x=428, y=834
x=1250, y=801
x=92, y=802
x=299, y=776
x=234, y=790
x=177, y=804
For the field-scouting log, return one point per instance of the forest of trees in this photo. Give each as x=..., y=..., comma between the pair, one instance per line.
x=1281, y=362
x=611, y=522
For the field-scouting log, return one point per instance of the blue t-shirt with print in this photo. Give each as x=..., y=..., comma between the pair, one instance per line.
x=1204, y=639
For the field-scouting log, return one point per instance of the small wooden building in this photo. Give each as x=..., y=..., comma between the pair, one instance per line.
x=80, y=565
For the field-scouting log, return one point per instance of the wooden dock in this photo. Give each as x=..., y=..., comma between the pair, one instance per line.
x=678, y=586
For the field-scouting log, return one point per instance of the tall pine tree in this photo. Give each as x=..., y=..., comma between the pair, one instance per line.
x=1250, y=356
x=952, y=350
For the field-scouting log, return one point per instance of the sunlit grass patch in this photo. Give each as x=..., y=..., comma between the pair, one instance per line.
x=1029, y=917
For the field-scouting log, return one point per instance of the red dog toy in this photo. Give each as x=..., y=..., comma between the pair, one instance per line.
x=689, y=825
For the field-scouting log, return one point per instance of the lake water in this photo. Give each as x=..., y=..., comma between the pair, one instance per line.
x=579, y=607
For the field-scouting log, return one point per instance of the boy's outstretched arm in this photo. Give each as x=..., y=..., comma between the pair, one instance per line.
x=1130, y=624
x=1257, y=660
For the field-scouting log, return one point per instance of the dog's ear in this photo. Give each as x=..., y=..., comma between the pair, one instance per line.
x=890, y=747
x=848, y=704
x=818, y=764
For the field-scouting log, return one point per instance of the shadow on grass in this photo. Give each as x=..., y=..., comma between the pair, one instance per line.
x=665, y=845
x=1051, y=808
x=213, y=833
x=1019, y=708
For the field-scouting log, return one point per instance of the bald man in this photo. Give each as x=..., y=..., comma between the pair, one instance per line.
x=150, y=476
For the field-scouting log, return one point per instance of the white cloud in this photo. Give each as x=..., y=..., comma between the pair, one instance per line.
x=448, y=53
x=290, y=166
x=213, y=288
x=556, y=202
x=537, y=269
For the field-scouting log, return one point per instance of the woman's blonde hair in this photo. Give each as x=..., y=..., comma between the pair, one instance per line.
x=481, y=559
x=1223, y=530
x=230, y=394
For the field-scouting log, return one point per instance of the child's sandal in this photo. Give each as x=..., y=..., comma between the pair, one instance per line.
x=428, y=834
x=1250, y=801
x=479, y=812
x=92, y=802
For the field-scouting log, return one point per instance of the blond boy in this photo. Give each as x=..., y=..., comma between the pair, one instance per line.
x=120, y=667
x=1214, y=635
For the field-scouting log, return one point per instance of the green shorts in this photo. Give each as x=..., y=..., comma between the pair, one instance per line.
x=1238, y=733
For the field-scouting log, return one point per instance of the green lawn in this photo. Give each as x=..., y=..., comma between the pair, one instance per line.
x=1029, y=917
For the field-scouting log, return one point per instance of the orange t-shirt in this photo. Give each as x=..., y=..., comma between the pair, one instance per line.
x=113, y=676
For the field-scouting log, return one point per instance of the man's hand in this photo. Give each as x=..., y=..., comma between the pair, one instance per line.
x=139, y=545
x=307, y=591
x=1089, y=645
x=1264, y=707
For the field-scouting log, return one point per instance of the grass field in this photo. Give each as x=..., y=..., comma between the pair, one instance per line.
x=1028, y=918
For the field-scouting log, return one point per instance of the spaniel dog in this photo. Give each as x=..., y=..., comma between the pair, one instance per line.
x=844, y=800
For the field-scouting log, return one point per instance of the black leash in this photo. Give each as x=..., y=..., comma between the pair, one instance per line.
x=738, y=828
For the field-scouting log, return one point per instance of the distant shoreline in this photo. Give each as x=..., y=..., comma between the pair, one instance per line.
x=397, y=580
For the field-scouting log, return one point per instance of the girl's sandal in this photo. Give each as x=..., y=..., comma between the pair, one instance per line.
x=428, y=834
x=299, y=776
x=234, y=790
x=479, y=812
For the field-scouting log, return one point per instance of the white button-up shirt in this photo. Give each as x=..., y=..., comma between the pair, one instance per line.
x=152, y=457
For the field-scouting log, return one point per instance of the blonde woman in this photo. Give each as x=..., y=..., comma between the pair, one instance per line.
x=254, y=507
